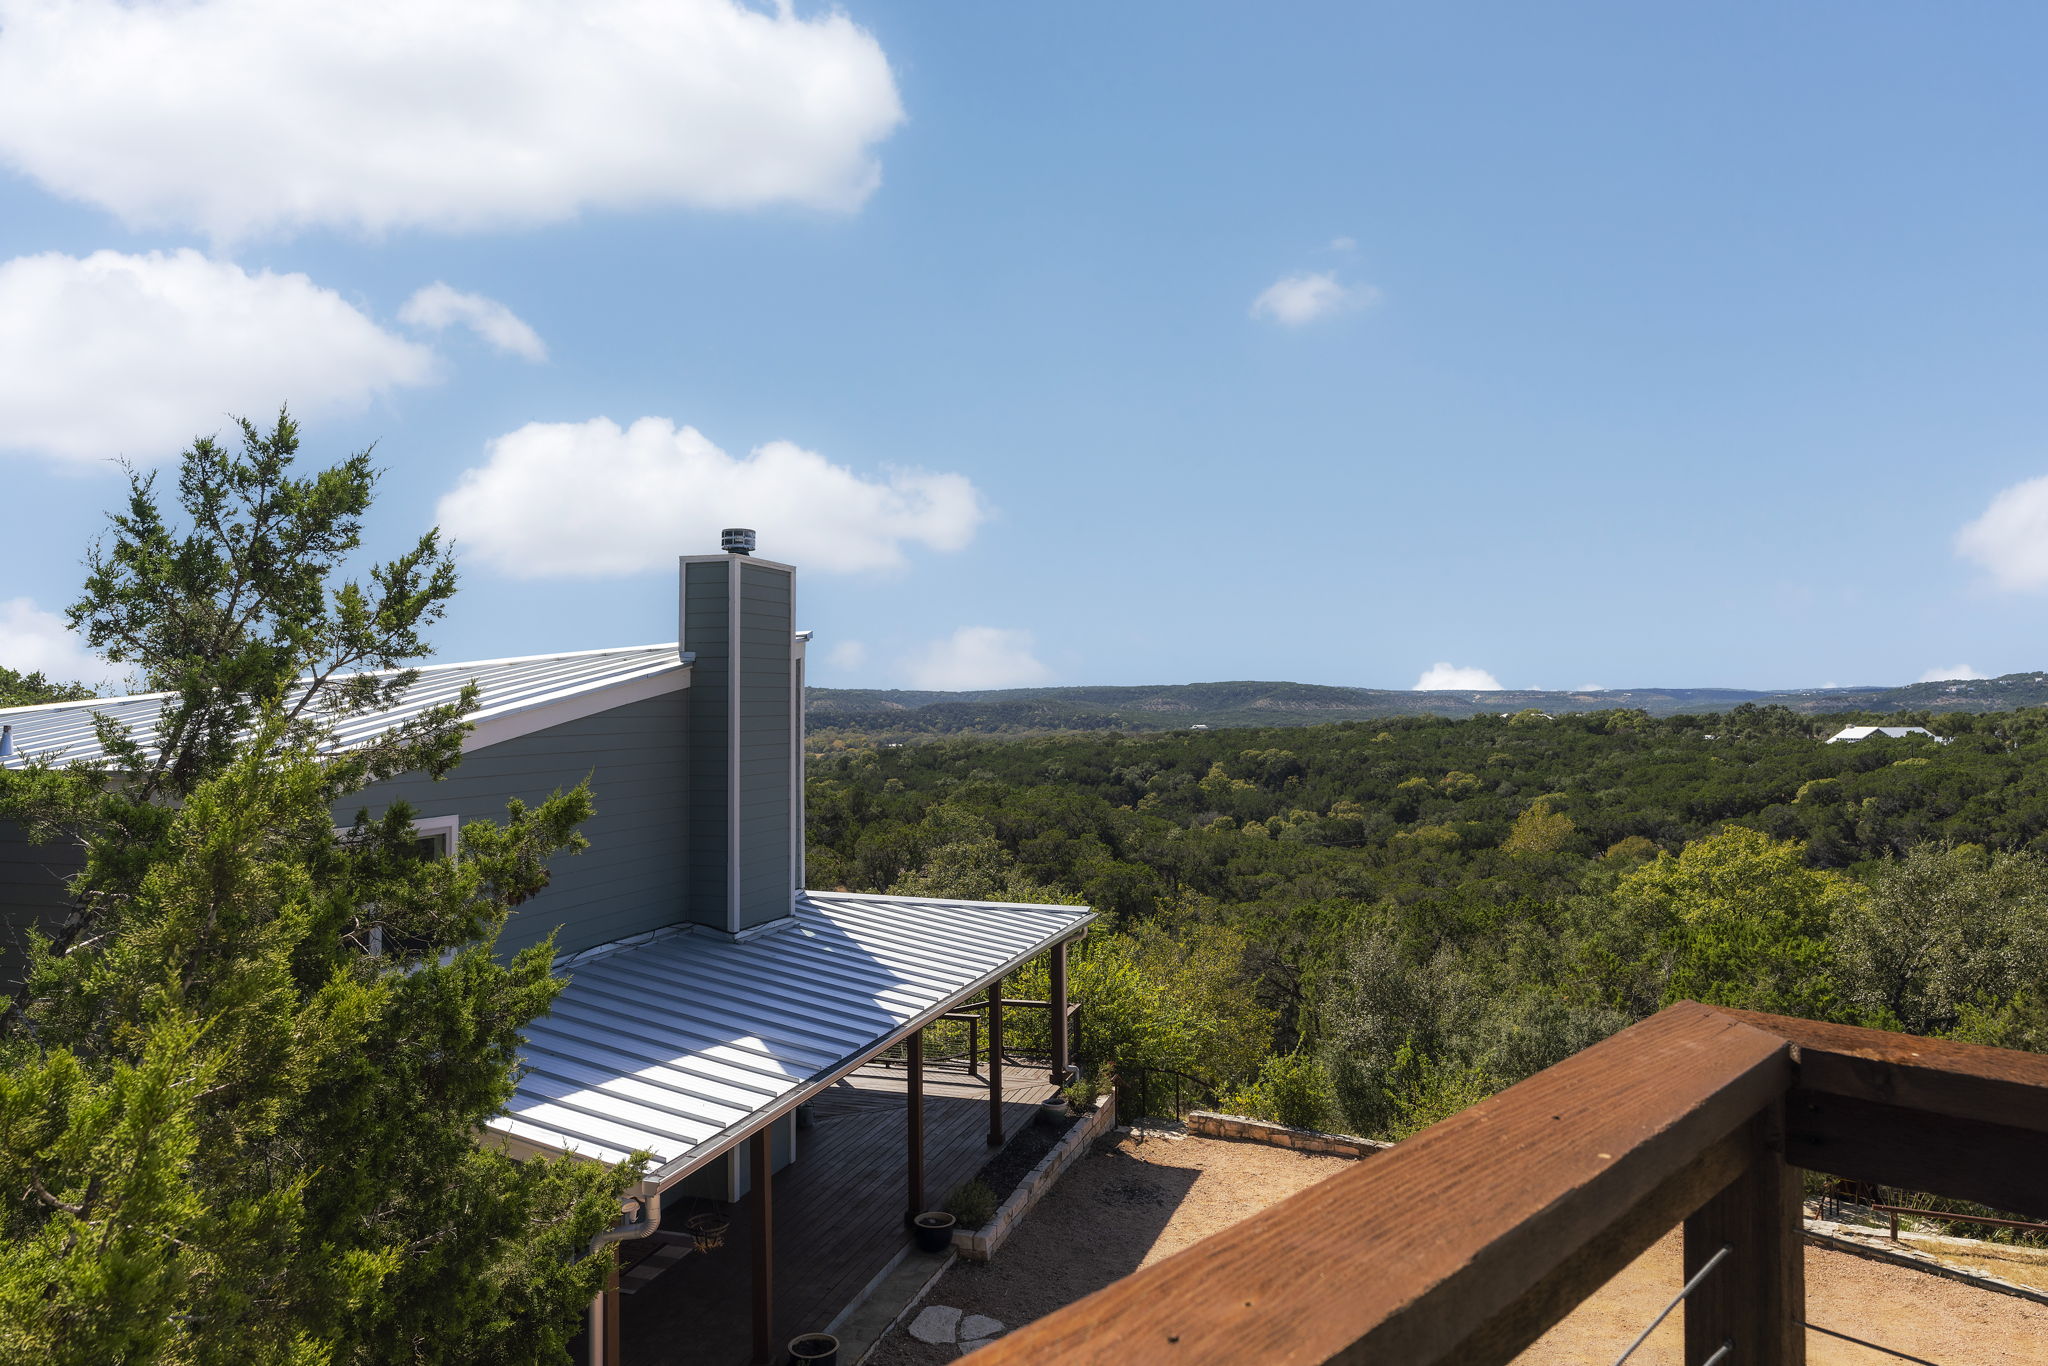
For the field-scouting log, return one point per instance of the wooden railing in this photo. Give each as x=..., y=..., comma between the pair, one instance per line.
x=1465, y=1242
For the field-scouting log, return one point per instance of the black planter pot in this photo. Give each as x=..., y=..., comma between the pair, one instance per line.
x=933, y=1230
x=814, y=1349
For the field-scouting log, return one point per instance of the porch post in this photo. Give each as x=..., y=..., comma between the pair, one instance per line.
x=1756, y=1297
x=1058, y=1011
x=995, y=1064
x=761, y=1213
x=612, y=1355
x=915, y=1056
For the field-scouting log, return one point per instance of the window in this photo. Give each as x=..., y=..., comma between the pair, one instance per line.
x=436, y=837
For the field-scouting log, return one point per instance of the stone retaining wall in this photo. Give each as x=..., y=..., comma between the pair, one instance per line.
x=980, y=1244
x=1212, y=1125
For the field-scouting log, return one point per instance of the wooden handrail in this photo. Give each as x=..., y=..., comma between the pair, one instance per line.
x=1468, y=1240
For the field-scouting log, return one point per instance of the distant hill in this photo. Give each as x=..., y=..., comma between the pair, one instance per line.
x=885, y=712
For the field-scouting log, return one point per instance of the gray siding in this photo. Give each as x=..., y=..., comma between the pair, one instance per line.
x=707, y=631
x=632, y=877
x=767, y=700
x=739, y=620
x=32, y=878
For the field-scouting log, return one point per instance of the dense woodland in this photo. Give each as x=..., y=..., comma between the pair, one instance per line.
x=1370, y=925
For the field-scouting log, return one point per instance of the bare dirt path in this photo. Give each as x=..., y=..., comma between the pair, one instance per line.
x=1126, y=1205
x=1900, y=1316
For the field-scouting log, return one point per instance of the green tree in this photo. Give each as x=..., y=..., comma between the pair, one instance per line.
x=1738, y=919
x=29, y=690
x=236, y=1133
x=1947, y=933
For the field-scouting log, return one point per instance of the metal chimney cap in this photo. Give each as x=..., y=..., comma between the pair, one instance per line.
x=737, y=540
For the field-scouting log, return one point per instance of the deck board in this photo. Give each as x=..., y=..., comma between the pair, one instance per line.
x=838, y=1215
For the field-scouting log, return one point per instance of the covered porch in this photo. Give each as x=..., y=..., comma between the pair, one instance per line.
x=837, y=1217
x=756, y=1072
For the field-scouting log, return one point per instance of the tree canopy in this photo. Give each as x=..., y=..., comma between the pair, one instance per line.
x=241, y=1091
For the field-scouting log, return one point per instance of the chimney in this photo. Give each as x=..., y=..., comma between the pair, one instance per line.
x=744, y=833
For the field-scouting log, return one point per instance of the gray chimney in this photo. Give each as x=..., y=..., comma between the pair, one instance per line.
x=744, y=835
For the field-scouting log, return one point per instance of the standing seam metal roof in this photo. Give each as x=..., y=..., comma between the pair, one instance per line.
x=507, y=686
x=679, y=1043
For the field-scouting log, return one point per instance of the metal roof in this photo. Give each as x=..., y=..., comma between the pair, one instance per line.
x=684, y=1044
x=509, y=687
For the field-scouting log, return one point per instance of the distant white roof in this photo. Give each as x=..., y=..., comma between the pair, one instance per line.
x=683, y=1044
x=1865, y=732
x=518, y=696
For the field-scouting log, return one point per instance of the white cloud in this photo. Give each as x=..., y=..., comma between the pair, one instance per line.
x=1948, y=673
x=238, y=117
x=976, y=657
x=1343, y=243
x=2010, y=540
x=589, y=500
x=1294, y=300
x=848, y=655
x=1444, y=677
x=1591, y=687
x=34, y=641
x=438, y=306
x=111, y=354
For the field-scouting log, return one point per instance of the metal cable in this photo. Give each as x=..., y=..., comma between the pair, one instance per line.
x=1677, y=1300
x=1720, y=1353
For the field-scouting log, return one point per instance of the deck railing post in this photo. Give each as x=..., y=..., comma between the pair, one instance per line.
x=915, y=1051
x=1056, y=1012
x=1756, y=1298
x=995, y=1065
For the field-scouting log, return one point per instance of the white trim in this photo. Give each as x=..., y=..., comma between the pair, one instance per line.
x=90, y=703
x=426, y=827
x=735, y=646
x=536, y=716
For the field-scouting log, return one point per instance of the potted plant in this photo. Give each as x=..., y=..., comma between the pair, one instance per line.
x=933, y=1230
x=814, y=1349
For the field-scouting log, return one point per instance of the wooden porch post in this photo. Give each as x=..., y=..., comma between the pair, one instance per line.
x=1058, y=1011
x=761, y=1213
x=995, y=1064
x=914, y=1048
x=612, y=1355
x=1756, y=1297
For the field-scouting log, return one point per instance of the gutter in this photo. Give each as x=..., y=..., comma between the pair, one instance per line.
x=645, y=1201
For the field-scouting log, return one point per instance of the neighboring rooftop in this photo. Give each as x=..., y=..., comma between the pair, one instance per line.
x=1854, y=733
x=517, y=695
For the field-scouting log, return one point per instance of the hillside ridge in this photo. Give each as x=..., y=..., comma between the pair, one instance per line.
x=1248, y=702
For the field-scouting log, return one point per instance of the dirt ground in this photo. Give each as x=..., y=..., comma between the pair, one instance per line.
x=1134, y=1201
x=1896, y=1315
x=1126, y=1205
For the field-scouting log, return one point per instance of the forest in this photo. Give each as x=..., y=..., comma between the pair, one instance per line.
x=1369, y=925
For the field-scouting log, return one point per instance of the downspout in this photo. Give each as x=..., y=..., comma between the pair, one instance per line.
x=645, y=1202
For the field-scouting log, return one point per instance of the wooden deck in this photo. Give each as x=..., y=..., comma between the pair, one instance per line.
x=838, y=1215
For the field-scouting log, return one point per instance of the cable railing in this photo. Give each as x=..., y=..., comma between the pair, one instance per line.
x=1467, y=1241
x=1676, y=1300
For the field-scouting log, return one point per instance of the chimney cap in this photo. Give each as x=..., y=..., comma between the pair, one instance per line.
x=737, y=540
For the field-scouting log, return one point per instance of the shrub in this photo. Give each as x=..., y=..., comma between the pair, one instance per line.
x=972, y=1203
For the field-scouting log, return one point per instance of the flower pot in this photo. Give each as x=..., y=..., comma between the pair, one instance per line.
x=933, y=1230
x=814, y=1349
x=1054, y=1113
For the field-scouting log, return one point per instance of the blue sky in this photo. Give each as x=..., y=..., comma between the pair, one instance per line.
x=1573, y=345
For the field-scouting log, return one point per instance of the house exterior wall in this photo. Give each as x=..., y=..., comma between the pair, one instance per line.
x=32, y=878
x=632, y=877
